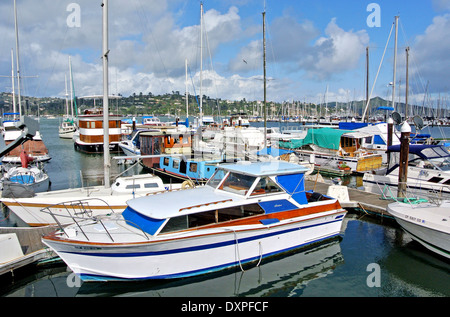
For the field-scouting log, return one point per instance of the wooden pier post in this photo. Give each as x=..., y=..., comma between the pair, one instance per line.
x=404, y=153
x=390, y=129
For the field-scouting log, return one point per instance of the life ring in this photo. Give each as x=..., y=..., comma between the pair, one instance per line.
x=187, y=184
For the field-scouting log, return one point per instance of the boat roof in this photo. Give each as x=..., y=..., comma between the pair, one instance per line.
x=357, y=134
x=181, y=202
x=264, y=168
x=425, y=151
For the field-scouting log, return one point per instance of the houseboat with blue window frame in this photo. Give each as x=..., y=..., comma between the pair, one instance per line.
x=169, y=153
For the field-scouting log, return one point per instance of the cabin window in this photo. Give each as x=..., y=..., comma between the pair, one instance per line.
x=175, y=224
x=133, y=186
x=211, y=217
x=151, y=185
x=193, y=167
x=265, y=186
x=237, y=183
x=176, y=164
x=166, y=161
x=435, y=179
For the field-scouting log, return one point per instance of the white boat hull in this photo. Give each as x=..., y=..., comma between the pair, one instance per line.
x=66, y=135
x=417, y=184
x=425, y=223
x=100, y=200
x=190, y=253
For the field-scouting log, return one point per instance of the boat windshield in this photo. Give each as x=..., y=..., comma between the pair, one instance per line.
x=439, y=157
x=237, y=183
x=215, y=180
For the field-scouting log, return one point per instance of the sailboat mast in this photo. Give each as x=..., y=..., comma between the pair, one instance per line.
x=201, y=64
x=367, y=79
x=407, y=83
x=71, y=87
x=106, y=156
x=67, y=96
x=187, y=93
x=265, y=87
x=17, y=58
x=395, y=62
x=13, y=80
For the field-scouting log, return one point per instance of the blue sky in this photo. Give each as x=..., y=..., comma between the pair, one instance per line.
x=312, y=46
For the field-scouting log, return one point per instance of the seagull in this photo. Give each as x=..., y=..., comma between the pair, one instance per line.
x=244, y=61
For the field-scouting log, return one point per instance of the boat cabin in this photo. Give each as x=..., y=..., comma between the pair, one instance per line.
x=243, y=192
x=199, y=170
x=91, y=132
x=161, y=143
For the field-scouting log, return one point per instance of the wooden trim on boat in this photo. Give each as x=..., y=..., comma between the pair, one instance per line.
x=237, y=222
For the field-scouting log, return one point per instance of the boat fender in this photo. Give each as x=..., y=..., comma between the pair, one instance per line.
x=187, y=184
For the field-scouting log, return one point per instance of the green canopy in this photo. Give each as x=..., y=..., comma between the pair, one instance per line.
x=325, y=137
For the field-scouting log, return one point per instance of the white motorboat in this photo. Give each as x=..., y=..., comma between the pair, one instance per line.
x=18, y=181
x=67, y=129
x=84, y=201
x=426, y=222
x=428, y=173
x=246, y=212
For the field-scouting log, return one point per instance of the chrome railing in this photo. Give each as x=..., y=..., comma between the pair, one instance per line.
x=80, y=211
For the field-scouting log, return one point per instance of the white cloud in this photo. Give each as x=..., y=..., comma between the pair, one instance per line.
x=430, y=54
x=337, y=52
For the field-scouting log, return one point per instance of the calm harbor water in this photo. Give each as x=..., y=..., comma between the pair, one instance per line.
x=374, y=258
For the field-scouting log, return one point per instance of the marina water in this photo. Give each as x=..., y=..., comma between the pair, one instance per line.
x=373, y=259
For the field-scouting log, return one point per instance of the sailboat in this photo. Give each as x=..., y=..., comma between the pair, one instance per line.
x=35, y=147
x=68, y=127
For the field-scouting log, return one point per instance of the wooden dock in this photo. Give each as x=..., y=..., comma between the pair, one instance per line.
x=368, y=202
x=30, y=248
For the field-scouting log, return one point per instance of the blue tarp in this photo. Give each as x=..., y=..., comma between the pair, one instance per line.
x=352, y=125
x=385, y=108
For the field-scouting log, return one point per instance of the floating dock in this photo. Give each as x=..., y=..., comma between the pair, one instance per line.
x=22, y=246
x=369, y=203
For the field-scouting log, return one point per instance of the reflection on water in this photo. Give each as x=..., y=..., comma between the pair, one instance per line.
x=279, y=276
x=282, y=276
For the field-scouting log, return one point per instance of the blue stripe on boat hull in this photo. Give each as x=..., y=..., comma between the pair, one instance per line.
x=202, y=247
x=90, y=277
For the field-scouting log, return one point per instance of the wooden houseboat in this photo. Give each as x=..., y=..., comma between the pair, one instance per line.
x=91, y=131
